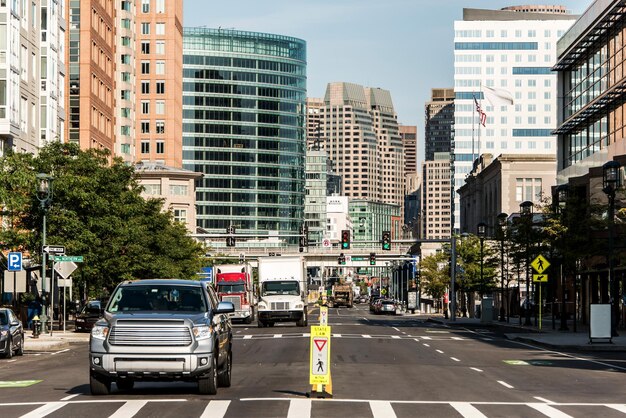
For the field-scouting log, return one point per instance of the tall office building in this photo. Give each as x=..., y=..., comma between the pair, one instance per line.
x=503, y=58
x=159, y=69
x=436, y=199
x=243, y=128
x=90, y=84
x=361, y=136
x=316, y=190
x=408, y=135
x=19, y=76
x=313, y=123
x=125, y=81
x=439, y=122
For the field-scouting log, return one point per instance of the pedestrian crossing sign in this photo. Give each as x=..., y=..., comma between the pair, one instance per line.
x=320, y=355
x=540, y=264
x=540, y=278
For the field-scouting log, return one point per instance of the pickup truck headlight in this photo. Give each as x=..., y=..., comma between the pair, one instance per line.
x=202, y=332
x=298, y=306
x=100, y=332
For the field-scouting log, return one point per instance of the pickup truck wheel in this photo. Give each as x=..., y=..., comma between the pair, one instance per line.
x=224, y=374
x=125, y=384
x=207, y=385
x=99, y=385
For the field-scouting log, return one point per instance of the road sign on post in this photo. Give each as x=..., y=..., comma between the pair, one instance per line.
x=15, y=261
x=319, y=375
x=72, y=258
x=540, y=264
x=54, y=249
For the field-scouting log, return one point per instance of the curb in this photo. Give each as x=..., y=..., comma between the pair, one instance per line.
x=587, y=347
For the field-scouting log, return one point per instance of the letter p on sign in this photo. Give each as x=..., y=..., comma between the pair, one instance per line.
x=15, y=261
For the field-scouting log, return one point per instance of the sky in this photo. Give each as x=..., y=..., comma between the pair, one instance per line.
x=404, y=46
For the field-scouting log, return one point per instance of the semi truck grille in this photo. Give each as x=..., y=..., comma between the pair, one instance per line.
x=235, y=300
x=280, y=305
x=150, y=336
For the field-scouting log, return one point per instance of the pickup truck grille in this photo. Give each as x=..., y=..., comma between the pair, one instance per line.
x=236, y=300
x=280, y=306
x=150, y=336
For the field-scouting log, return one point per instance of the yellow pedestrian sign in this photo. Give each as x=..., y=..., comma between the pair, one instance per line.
x=540, y=278
x=320, y=356
x=540, y=264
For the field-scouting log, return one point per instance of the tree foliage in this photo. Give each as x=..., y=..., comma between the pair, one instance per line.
x=96, y=211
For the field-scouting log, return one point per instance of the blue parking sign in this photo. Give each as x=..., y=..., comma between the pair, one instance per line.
x=15, y=261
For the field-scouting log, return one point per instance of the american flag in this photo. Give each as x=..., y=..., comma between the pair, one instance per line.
x=483, y=115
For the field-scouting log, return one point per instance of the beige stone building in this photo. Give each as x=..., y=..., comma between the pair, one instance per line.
x=500, y=185
x=408, y=134
x=313, y=122
x=436, y=201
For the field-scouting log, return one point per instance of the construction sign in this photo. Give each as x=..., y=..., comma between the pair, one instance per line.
x=320, y=356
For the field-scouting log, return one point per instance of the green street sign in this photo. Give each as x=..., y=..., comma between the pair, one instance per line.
x=358, y=258
x=74, y=258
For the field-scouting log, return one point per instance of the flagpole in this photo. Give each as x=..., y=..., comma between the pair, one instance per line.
x=473, y=120
x=480, y=92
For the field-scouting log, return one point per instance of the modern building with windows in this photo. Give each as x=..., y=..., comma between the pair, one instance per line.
x=439, y=122
x=244, y=129
x=370, y=219
x=504, y=59
x=316, y=188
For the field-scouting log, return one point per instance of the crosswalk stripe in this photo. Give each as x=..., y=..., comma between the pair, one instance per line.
x=299, y=408
x=467, y=410
x=44, y=410
x=382, y=409
x=129, y=409
x=247, y=337
x=215, y=409
x=426, y=338
x=395, y=337
x=278, y=335
x=617, y=407
x=548, y=410
x=337, y=335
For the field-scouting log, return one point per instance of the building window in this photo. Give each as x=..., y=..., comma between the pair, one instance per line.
x=160, y=28
x=179, y=189
x=125, y=112
x=125, y=130
x=160, y=127
x=145, y=127
x=125, y=59
x=145, y=87
x=125, y=41
x=160, y=6
x=180, y=215
x=152, y=189
x=160, y=107
x=145, y=6
x=125, y=94
x=145, y=47
x=160, y=147
x=160, y=87
x=125, y=23
x=145, y=147
x=160, y=47
x=160, y=67
x=126, y=5
x=125, y=76
x=145, y=28
x=145, y=67
x=145, y=107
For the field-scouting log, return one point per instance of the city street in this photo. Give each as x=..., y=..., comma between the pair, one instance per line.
x=382, y=366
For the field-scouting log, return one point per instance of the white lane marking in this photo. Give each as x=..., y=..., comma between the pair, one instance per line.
x=548, y=410
x=416, y=340
x=11, y=361
x=617, y=407
x=278, y=335
x=247, y=337
x=382, y=409
x=306, y=334
x=455, y=359
x=506, y=385
x=299, y=408
x=476, y=369
x=467, y=410
x=426, y=338
x=67, y=398
x=337, y=335
x=396, y=329
x=440, y=352
x=457, y=338
x=129, y=409
x=61, y=351
x=366, y=336
x=542, y=399
x=44, y=410
x=215, y=409
x=426, y=345
x=396, y=337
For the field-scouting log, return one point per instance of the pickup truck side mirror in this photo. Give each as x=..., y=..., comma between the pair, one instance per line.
x=225, y=307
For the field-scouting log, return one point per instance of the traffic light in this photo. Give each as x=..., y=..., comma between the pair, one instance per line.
x=345, y=239
x=386, y=240
x=341, y=260
x=372, y=259
x=230, y=239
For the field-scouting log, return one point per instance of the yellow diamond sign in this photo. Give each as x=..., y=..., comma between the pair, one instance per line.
x=540, y=264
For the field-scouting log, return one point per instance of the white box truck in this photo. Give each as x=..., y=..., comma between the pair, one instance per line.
x=282, y=291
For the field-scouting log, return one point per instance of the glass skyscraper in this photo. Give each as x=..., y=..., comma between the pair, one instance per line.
x=243, y=128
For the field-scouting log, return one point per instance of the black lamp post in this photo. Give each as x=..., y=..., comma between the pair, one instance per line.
x=502, y=222
x=611, y=181
x=44, y=195
x=526, y=211
x=481, y=232
x=562, y=192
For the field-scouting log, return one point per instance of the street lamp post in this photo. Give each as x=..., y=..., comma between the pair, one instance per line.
x=611, y=181
x=44, y=195
x=562, y=192
x=481, y=232
x=502, y=222
x=526, y=211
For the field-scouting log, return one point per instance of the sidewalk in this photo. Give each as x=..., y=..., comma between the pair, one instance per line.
x=58, y=341
x=553, y=339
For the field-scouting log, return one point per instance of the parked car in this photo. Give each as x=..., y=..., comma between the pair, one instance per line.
x=11, y=334
x=385, y=306
x=89, y=315
x=162, y=330
x=373, y=301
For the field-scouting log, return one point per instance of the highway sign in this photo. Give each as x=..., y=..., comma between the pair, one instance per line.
x=540, y=264
x=320, y=355
x=15, y=261
x=54, y=249
x=73, y=258
x=540, y=278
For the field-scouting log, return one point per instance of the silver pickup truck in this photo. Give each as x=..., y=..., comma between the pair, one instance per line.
x=162, y=330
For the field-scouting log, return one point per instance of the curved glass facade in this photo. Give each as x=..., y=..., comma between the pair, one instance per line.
x=244, y=128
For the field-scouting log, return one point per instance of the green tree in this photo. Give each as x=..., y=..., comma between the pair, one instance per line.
x=97, y=212
x=434, y=274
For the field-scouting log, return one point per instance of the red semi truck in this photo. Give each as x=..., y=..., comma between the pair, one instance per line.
x=234, y=284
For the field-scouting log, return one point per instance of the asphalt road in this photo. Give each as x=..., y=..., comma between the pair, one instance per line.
x=382, y=366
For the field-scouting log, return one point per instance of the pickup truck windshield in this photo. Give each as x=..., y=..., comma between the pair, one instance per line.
x=280, y=288
x=157, y=298
x=230, y=288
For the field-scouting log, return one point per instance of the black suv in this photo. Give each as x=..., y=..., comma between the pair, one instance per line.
x=162, y=330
